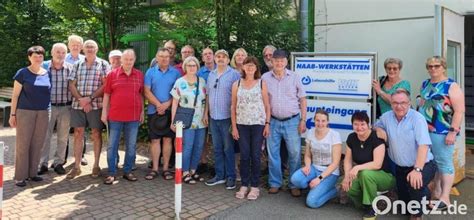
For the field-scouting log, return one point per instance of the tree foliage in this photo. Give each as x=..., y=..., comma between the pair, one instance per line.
x=22, y=25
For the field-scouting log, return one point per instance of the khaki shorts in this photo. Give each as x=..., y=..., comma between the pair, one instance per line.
x=91, y=119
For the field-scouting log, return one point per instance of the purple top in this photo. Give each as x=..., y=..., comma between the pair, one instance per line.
x=284, y=93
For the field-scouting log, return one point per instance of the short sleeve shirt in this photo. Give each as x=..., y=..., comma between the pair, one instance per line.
x=321, y=150
x=186, y=93
x=126, y=100
x=363, y=151
x=88, y=80
x=36, y=90
x=160, y=83
x=219, y=89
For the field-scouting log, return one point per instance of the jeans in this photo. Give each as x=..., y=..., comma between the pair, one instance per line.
x=193, y=143
x=406, y=192
x=59, y=116
x=288, y=130
x=250, y=143
x=130, y=131
x=223, y=149
x=320, y=194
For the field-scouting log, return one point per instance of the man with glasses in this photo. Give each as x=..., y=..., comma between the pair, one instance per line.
x=186, y=52
x=267, y=58
x=219, y=87
x=409, y=148
x=209, y=64
x=171, y=47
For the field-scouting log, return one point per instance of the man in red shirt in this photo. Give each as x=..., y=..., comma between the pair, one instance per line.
x=123, y=110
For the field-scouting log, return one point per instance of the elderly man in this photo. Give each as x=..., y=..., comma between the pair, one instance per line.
x=409, y=149
x=75, y=46
x=87, y=90
x=186, y=52
x=288, y=109
x=60, y=111
x=115, y=59
x=209, y=64
x=123, y=110
x=219, y=87
x=267, y=58
x=159, y=81
x=171, y=47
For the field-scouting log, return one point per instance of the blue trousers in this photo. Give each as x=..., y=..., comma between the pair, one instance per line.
x=224, y=155
x=320, y=194
x=130, y=131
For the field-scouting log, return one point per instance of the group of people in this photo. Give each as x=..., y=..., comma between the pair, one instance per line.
x=241, y=104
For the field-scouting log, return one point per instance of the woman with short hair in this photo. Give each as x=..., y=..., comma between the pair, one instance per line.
x=29, y=114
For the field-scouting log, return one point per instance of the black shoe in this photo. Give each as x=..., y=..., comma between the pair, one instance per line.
x=202, y=168
x=370, y=214
x=59, y=169
x=43, y=169
x=21, y=183
x=36, y=179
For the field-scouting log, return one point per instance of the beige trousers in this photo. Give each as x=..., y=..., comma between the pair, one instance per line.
x=31, y=129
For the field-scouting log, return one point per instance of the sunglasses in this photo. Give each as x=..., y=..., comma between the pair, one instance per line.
x=215, y=84
x=436, y=66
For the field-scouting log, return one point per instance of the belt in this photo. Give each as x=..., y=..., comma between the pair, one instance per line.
x=61, y=104
x=285, y=119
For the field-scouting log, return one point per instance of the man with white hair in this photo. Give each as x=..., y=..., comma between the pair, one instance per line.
x=114, y=59
x=59, y=113
x=87, y=90
x=267, y=58
x=75, y=46
x=186, y=52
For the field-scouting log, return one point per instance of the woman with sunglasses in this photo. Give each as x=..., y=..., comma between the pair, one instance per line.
x=442, y=105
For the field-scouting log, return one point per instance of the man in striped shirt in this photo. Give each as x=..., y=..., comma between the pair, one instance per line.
x=59, y=114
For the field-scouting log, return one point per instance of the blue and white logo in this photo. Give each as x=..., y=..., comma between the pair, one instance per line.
x=306, y=80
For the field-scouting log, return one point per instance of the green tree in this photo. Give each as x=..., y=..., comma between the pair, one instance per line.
x=22, y=25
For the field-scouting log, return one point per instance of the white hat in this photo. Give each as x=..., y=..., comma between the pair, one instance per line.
x=114, y=53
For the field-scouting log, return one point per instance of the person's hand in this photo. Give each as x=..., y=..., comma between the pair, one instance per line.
x=160, y=112
x=450, y=138
x=302, y=127
x=306, y=170
x=266, y=131
x=315, y=182
x=12, y=121
x=205, y=120
x=87, y=108
x=376, y=86
x=235, y=133
x=415, y=179
x=159, y=107
x=84, y=101
x=103, y=117
x=173, y=127
x=346, y=184
x=142, y=117
x=353, y=173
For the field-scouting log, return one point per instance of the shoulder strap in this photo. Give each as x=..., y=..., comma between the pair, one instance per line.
x=383, y=79
x=238, y=83
x=197, y=91
x=261, y=86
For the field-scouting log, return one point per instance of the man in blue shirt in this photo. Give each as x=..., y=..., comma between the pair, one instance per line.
x=409, y=149
x=219, y=87
x=209, y=65
x=159, y=81
x=75, y=46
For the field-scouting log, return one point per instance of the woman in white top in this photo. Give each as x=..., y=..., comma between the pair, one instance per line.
x=321, y=162
x=250, y=115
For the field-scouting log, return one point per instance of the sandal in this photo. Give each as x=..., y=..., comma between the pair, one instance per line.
x=151, y=175
x=130, y=177
x=196, y=177
x=253, y=194
x=167, y=175
x=109, y=180
x=188, y=179
x=242, y=192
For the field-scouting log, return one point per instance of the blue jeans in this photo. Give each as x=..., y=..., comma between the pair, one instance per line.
x=130, y=131
x=224, y=155
x=193, y=143
x=320, y=194
x=288, y=130
x=250, y=143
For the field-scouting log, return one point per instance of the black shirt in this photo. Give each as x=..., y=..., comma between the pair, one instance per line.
x=363, y=151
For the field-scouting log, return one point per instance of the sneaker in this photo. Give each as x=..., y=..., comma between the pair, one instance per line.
x=43, y=169
x=73, y=173
x=59, y=169
x=214, y=181
x=370, y=215
x=36, y=179
x=230, y=184
x=84, y=161
x=21, y=183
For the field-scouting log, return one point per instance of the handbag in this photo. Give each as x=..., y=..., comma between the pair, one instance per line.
x=186, y=115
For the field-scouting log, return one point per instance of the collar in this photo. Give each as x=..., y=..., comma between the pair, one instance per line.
x=121, y=71
x=287, y=73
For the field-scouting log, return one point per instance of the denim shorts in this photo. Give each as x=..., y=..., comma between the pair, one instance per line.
x=443, y=154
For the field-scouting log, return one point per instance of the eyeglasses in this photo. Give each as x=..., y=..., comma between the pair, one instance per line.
x=392, y=68
x=436, y=66
x=215, y=84
x=191, y=65
x=170, y=48
x=399, y=103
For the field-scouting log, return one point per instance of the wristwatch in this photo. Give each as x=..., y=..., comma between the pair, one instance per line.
x=452, y=129
x=91, y=97
x=417, y=169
